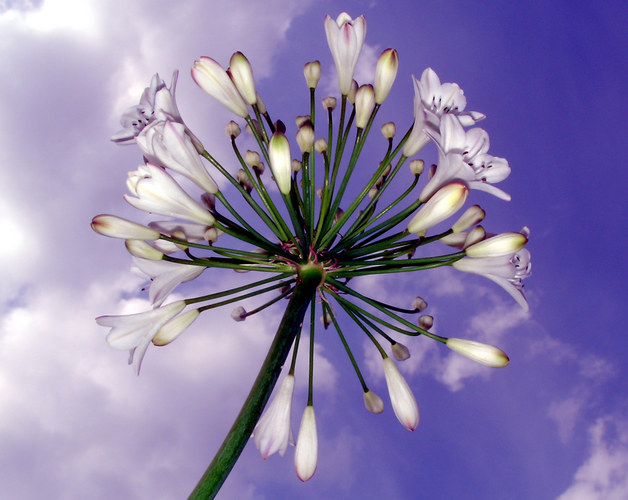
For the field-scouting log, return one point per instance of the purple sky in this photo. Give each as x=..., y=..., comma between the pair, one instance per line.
x=75, y=422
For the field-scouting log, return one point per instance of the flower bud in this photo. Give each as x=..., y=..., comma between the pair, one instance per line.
x=385, y=74
x=474, y=236
x=261, y=107
x=305, y=137
x=400, y=351
x=446, y=202
x=239, y=313
x=484, y=354
x=139, y=248
x=419, y=304
x=319, y=193
x=211, y=235
x=502, y=244
x=251, y=158
x=416, y=167
x=364, y=103
x=320, y=146
x=295, y=165
x=244, y=180
x=329, y=103
x=326, y=319
x=233, y=130
x=389, y=130
x=280, y=161
x=250, y=130
x=214, y=80
x=472, y=216
x=373, y=402
x=209, y=200
x=174, y=327
x=242, y=76
x=117, y=227
x=401, y=397
x=302, y=120
x=425, y=321
x=312, y=73
x=306, y=451
x=352, y=92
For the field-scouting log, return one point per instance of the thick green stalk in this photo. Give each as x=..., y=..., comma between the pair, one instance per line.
x=310, y=276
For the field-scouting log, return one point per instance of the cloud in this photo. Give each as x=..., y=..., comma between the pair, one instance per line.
x=604, y=474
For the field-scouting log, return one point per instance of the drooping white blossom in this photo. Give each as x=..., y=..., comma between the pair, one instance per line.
x=273, y=431
x=401, y=397
x=134, y=332
x=306, y=452
x=165, y=277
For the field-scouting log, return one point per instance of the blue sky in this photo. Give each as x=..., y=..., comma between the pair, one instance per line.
x=73, y=416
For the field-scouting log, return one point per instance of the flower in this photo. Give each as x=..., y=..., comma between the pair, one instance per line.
x=345, y=37
x=280, y=161
x=182, y=230
x=175, y=327
x=306, y=452
x=400, y=351
x=446, y=202
x=496, y=246
x=141, y=249
x=401, y=397
x=165, y=277
x=117, y=227
x=166, y=143
x=484, y=354
x=155, y=191
x=273, y=432
x=312, y=73
x=242, y=76
x=385, y=74
x=135, y=331
x=213, y=79
x=463, y=155
x=507, y=271
x=364, y=103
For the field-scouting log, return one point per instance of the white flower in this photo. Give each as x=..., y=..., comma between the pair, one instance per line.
x=306, y=452
x=507, y=271
x=241, y=74
x=496, y=246
x=141, y=249
x=463, y=155
x=165, y=277
x=484, y=354
x=166, y=143
x=156, y=191
x=345, y=37
x=273, y=432
x=117, y=227
x=446, y=202
x=213, y=79
x=312, y=73
x=280, y=161
x=135, y=331
x=175, y=327
x=187, y=231
x=364, y=103
x=401, y=397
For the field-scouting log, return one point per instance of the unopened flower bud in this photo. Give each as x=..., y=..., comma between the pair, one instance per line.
x=474, y=236
x=373, y=402
x=326, y=319
x=472, y=216
x=386, y=171
x=302, y=120
x=305, y=137
x=239, y=313
x=232, y=130
x=401, y=397
x=484, y=354
x=329, y=103
x=352, y=92
x=211, y=235
x=117, y=227
x=319, y=193
x=416, y=167
x=242, y=76
x=295, y=165
x=214, y=80
x=364, y=103
x=339, y=213
x=141, y=249
x=385, y=74
x=280, y=161
x=446, y=202
x=419, y=304
x=244, y=180
x=496, y=246
x=389, y=130
x=373, y=192
x=426, y=321
x=175, y=327
x=312, y=73
x=306, y=451
x=320, y=145
x=261, y=107
x=259, y=168
x=250, y=131
x=209, y=200
x=251, y=158
x=400, y=351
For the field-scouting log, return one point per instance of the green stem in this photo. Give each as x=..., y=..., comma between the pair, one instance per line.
x=310, y=277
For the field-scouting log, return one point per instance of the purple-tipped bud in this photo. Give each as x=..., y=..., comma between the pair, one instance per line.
x=426, y=321
x=239, y=313
x=400, y=351
x=329, y=103
x=117, y=227
x=419, y=304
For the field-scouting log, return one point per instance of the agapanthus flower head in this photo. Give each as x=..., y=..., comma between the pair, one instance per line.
x=342, y=211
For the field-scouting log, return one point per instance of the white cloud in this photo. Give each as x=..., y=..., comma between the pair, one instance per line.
x=565, y=414
x=604, y=474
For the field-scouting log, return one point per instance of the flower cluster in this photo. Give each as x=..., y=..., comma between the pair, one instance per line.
x=311, y=219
